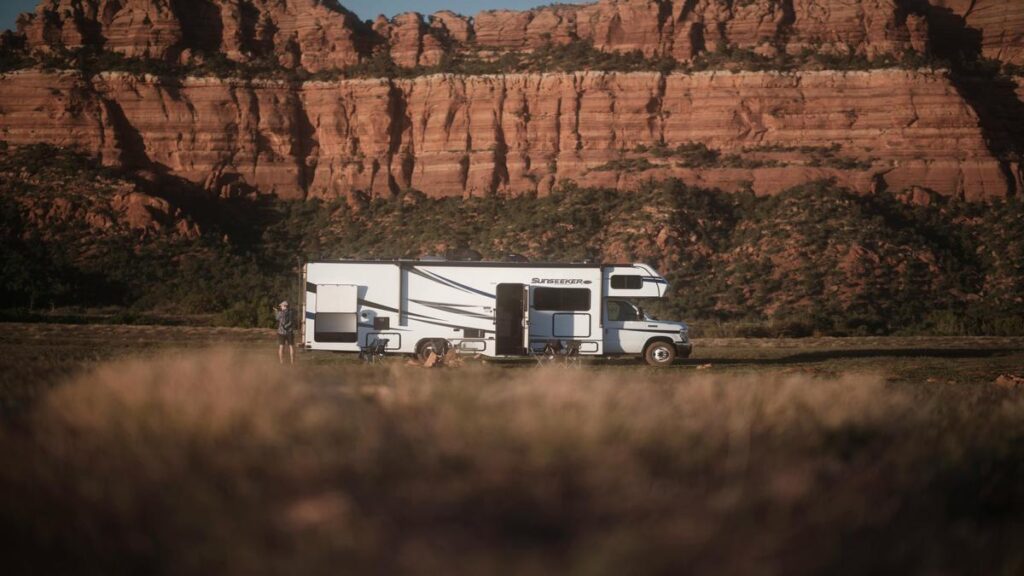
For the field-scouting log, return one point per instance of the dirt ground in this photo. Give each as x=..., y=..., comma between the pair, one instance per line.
x=33, y=357
x=122, y=446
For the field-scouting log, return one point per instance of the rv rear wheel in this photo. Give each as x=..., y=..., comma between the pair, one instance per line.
x=437, y=347
x=660, y=354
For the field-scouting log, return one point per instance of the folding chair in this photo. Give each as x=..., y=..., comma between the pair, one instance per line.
x=374, y=351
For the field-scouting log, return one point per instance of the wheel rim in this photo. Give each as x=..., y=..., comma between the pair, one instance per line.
x=427, y=349
x=660, y=354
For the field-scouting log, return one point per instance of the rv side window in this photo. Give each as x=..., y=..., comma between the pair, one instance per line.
x=561, y=299
x=627, y=282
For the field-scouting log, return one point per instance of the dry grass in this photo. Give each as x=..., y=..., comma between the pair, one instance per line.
x=224, y=463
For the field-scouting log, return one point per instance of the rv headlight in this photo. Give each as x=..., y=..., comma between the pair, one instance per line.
x=684, y=332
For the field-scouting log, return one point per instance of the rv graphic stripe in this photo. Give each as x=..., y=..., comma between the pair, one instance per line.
x=452, y=304
x=451, y=309
x=463, y=286
x=649, y=331
x=449, y=282
x=435, y=279
x=370, y=304
x=422, y=274
x=420, y=317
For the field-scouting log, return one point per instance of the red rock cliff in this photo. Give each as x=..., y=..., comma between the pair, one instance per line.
x=522, y=133
x=321, y=34
x=996, y=25
x=314, y=34
x=517, y=134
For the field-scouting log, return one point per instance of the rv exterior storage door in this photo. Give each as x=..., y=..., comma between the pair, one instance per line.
x=336, y=309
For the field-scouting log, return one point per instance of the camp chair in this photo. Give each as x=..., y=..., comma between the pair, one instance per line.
x=374, y=351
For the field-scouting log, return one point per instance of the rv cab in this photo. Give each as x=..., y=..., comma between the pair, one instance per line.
x=629, y=329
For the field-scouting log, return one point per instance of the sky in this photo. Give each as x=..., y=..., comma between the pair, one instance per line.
x=366, y=9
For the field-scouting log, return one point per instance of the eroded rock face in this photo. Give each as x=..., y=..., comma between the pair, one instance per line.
x=456, y=27
x=55, y=107
x=999, y=23
x=518, y=134
x=413, y=43
x=320, y=35
x=309, y=33
x=869, y=27
x=524, y=133
x=144, y=29
x=504, y=29
x=683, y=28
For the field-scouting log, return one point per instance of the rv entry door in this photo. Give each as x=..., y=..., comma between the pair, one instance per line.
x=511, y=319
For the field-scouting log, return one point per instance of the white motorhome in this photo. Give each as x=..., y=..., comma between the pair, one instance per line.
x=495, y=309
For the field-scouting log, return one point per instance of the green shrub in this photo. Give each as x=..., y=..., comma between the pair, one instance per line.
x=247, y=314
x=11, y=60
x=739, y=264
x=629, y=165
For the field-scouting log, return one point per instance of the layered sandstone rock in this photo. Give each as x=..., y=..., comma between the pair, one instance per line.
x=313, y=34
x=872, y=27
x=453, y=26
x=55, y=107
x=684, y=28
x=143, y=29
x=516, y=134
x=1000, y=24
x=58, y=22
x=412, y=42
x=320, y=35
x=524, y=133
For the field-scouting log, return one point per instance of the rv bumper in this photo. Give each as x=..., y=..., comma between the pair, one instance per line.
x=684, y=349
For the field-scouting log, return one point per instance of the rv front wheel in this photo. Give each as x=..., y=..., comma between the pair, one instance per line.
x=660, y=354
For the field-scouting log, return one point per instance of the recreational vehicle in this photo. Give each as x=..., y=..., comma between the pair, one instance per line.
x=494, y=309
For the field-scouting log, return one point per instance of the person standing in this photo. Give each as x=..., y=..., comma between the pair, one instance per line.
x=285, y=332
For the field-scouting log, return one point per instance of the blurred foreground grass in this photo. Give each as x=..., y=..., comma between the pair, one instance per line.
x=172, y=452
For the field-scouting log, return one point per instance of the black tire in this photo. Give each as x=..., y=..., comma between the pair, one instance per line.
x=438, y=347
x=660, y=354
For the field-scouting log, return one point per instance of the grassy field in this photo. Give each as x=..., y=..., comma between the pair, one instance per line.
x=139, y=450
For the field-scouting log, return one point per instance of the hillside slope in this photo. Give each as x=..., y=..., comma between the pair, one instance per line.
x=794, y=166
x=811, y=259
